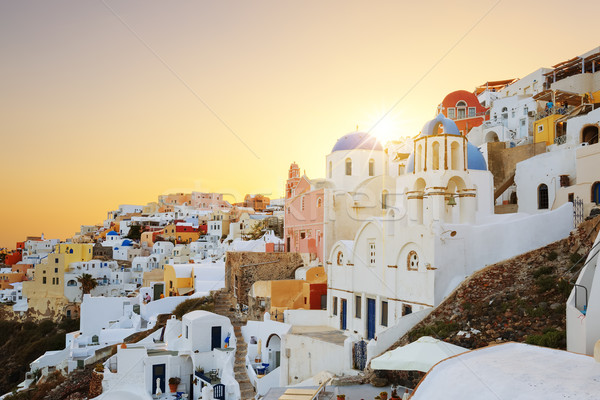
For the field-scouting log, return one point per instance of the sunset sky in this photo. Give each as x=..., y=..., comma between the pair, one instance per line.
x=116, y=102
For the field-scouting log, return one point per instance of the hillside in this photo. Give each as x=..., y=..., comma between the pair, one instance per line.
x=23, y=342
x=521, y=299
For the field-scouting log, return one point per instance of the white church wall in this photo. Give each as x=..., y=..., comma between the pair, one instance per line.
x=583, y=329
x=482, y=245
x=542, y=169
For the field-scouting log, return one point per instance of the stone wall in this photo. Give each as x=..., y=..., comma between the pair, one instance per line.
x=502, y=161
x=242, y=269
x=100, y=251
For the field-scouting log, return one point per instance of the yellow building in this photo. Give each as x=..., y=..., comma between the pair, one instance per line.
x=45, y=293
x=179, y=279
x=151, y=208
x=146, y=237
x=544, y=130
x=74, y=252
x=290, y=294
x=316, y=275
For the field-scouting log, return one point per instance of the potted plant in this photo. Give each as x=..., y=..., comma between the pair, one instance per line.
x=394, y=395
x=173, y=383
x=383, y=395
x=341, y=397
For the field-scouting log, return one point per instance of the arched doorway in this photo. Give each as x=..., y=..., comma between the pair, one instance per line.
x=589, y=134
x=491, y=136
x=543, y=197
x=274, y=351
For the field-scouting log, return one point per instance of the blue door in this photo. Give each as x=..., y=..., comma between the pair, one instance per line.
x=370, y=318
x=343, y=315
x=596, y=193
x=158, y=371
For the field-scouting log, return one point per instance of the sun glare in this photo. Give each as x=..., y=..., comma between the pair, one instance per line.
x=386, y=128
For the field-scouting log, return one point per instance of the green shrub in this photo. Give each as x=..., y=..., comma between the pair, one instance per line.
x=545, y=283
x=575, y=257
x=542, y=271
x=564, y=287
x=552, y=256
x=200, y=303
x=550, y=338
x=440, y=330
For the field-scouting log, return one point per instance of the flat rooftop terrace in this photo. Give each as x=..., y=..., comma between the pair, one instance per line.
x=323, y=333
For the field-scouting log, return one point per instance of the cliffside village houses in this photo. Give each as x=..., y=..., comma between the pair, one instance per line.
x=363, y=254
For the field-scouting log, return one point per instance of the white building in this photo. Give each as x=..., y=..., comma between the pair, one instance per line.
x=583, y=306
x=188, y=349
x=163, y=248
x=440, y=230
x=263, y=361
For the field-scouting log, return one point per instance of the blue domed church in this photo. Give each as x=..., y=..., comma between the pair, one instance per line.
x=437, y=229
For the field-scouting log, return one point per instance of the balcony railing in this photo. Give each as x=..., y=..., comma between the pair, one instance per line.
x=560, y=139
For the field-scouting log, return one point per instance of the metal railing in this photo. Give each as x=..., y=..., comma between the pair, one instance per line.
x=560, y=140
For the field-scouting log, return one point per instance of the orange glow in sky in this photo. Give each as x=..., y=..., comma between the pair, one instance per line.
x=106, y=102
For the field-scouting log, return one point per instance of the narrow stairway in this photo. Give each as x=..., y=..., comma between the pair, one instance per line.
x=225, y=305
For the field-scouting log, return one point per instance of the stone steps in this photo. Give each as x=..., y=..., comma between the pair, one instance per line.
x=225, y=305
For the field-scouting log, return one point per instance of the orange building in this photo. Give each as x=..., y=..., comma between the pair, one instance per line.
x=258, y=202
x=18, y=273
x=464, y=109
x=291, y=294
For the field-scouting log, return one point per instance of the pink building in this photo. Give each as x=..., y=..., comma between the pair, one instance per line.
x=304, y=215
x=209, y=201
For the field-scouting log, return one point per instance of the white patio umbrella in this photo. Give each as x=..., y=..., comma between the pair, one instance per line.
x=420, y=355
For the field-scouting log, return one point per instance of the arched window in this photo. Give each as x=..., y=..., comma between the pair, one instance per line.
x=400, y=169
x=418, y=160
x=596, y=193
x=384, y=199
x=461, y=110
x=330, y=169
x=455, y=158
x=436, y=155
x=412, y=261
x=319, y=202
x=371, y=167
x=340, y=258
x=348, y=167
x=543, y=197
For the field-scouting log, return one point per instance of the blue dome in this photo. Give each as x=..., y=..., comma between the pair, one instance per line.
x=430, y=127
x=357, y=141
x=475, y=159
x=410, y=163
x=112, y=233
x=127, y=242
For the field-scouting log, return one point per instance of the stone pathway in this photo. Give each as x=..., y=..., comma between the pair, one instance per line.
x=225, y=305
